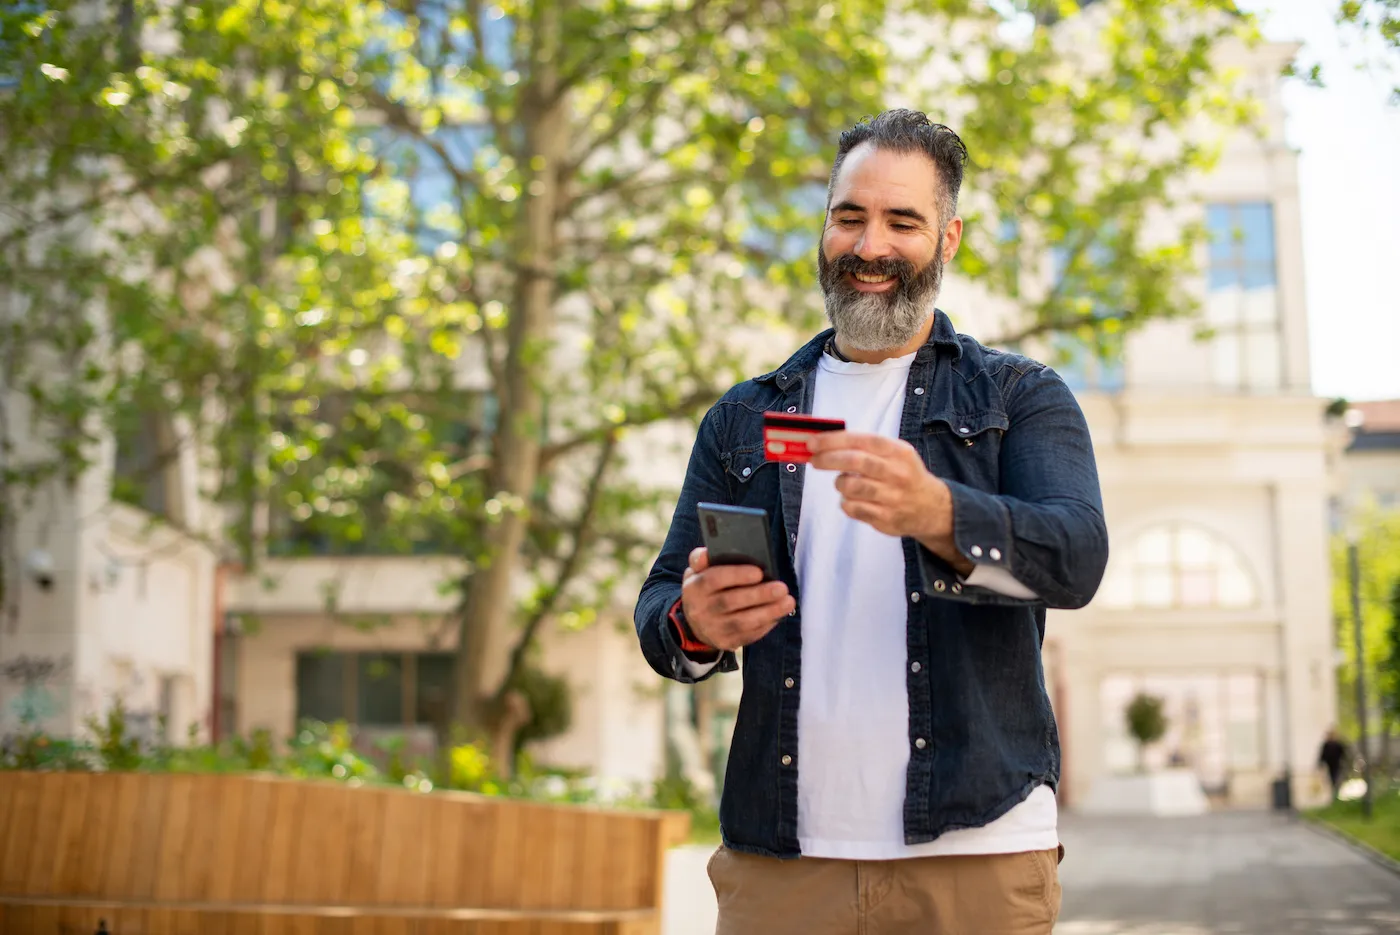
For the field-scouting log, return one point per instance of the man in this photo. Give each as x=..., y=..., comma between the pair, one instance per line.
x=894, y=731
x=1331, y=756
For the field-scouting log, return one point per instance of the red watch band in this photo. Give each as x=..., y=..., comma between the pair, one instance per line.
x=689, y=644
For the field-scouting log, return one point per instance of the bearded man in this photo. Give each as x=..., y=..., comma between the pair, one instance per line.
x=895, y=758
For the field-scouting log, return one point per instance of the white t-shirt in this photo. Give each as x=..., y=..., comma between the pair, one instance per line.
x=853, y=742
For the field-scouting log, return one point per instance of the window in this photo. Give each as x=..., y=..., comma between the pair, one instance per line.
x=1179, y=566
x=378, y=689
x=1242, y=305
x=145, y=455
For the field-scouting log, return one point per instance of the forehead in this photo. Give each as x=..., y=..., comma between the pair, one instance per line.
x=874, y=177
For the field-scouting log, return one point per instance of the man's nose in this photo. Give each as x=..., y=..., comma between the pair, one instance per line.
x=873, y=244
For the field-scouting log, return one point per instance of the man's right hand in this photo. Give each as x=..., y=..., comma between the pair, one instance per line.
x=730, y=606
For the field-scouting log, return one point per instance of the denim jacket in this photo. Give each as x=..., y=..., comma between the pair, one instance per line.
x=1008, y=437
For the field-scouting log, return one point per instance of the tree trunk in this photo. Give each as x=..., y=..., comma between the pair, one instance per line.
x=488, y=605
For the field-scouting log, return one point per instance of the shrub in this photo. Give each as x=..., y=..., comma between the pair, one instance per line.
x=1147, y=722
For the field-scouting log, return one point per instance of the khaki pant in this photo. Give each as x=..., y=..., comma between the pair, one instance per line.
x=998, y=894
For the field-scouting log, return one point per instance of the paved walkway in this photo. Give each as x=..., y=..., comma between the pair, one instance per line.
x=1234, y=873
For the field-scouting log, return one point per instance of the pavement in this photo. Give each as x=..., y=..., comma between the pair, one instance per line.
x=1226, y=873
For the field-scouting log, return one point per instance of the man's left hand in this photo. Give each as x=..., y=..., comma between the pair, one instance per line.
x=884, y=483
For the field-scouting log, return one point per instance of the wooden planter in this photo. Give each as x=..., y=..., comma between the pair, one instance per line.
x=145, y=854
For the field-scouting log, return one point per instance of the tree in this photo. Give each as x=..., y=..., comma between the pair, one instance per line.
x=1147, y=722
x=412, y=270
x=1377, y=534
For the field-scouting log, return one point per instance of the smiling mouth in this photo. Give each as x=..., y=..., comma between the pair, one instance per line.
x=872, y=280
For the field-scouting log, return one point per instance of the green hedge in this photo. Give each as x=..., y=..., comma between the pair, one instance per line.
x=1383, y=830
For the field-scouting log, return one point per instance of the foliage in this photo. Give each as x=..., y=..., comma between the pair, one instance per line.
x=1378, y=553
x=407, y=274
x=1379, y=16
x=1388, y=670
x=1147, y=721
x=1382, y=832
x=550, y=703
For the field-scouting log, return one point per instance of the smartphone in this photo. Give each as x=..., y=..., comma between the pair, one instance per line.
x=737, y=535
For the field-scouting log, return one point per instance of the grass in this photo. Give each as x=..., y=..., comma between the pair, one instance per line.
x=1383, y=830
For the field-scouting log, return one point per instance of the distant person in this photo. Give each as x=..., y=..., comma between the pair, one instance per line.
x=894, y=731
x=1332, y=755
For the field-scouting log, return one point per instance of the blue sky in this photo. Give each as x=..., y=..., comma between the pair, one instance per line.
x=1349, y=139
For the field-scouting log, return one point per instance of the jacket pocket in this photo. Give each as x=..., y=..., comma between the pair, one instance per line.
x=966, y=447
x=751, y=477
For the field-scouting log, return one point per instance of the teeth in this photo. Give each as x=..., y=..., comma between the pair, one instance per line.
x=872, y=279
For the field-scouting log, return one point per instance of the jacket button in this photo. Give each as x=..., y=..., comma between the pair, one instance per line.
x=788, y=682
x=915, y=667
x=976, y=551
x=995, y=555
x=787, y=760
x=939, y=586
x=793, y=612
x=921, y=743
x=914, y=596
x=957, y=588
x=918, y=391
x=746, y=471
x=792, y=408
x=792, y=468
x=964, y=430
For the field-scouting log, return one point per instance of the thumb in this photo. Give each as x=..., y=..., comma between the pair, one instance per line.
x=700, y=559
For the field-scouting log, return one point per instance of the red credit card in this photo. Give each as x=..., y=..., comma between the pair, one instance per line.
x=785, y=435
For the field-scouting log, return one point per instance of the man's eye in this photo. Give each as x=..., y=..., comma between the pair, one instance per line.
x=848, y=222
x=903, y=228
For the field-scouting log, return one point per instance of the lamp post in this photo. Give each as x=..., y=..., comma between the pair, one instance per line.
x=1354, y=574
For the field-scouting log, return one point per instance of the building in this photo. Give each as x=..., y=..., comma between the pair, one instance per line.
x=1371, y=461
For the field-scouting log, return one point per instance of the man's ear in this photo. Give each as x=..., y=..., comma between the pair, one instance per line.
x=952, y=238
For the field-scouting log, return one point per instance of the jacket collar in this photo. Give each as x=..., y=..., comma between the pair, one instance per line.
x=805, y=360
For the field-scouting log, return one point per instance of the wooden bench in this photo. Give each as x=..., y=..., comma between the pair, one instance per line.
x=228, y=855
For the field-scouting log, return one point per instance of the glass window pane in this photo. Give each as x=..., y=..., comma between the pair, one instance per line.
x=321, y=686
x=1194, y=547
x=380, y=688
x=1219, y=225
x=1225, y=361
x=1236, y=588
x=1263, y=360
x=1197, y=587
x=1154, y=547
x=1259, y=307
x=1117, y=589
x=434, y=682
x=1153, y=587
x=1223, y=276
x=1257, y=276
x=1256, y=223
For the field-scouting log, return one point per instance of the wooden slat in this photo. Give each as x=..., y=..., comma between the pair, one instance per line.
x=15, y=846
x=249, y=856
x=98, y=827
x=320, y=862
x=365, y=836
x=124, y=793
x=152, y=795
x=44, y=843
x=172, y=882
x=71, y=834
x=445, y=883
x=227, y=796
x=503, y=869
x=476, y=846
x=279, y=843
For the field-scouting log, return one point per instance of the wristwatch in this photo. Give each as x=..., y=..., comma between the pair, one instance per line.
x=691, y=645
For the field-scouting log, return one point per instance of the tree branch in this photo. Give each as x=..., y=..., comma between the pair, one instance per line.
x=1049, y=327
x=581, y=538
x=703, y=396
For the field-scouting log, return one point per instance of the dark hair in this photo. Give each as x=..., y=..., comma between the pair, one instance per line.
x=910, y=131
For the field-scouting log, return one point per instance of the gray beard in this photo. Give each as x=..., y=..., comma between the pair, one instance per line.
x=879, y=321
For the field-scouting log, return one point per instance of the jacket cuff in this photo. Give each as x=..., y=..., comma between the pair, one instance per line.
x=683, y=669
x=981, y=527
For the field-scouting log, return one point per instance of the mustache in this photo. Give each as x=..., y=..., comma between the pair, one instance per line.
x=900, y=268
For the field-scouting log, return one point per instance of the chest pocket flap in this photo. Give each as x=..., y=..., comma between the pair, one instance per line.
x=966, y=425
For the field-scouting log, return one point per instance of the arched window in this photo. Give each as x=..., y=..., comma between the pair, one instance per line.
x=1178, y=565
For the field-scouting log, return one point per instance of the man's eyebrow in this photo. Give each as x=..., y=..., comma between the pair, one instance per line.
x=910, y=213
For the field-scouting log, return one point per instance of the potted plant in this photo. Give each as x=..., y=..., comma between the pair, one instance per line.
x=1147, y=722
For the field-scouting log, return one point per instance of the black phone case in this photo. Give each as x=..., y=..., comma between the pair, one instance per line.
x=736, y=535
